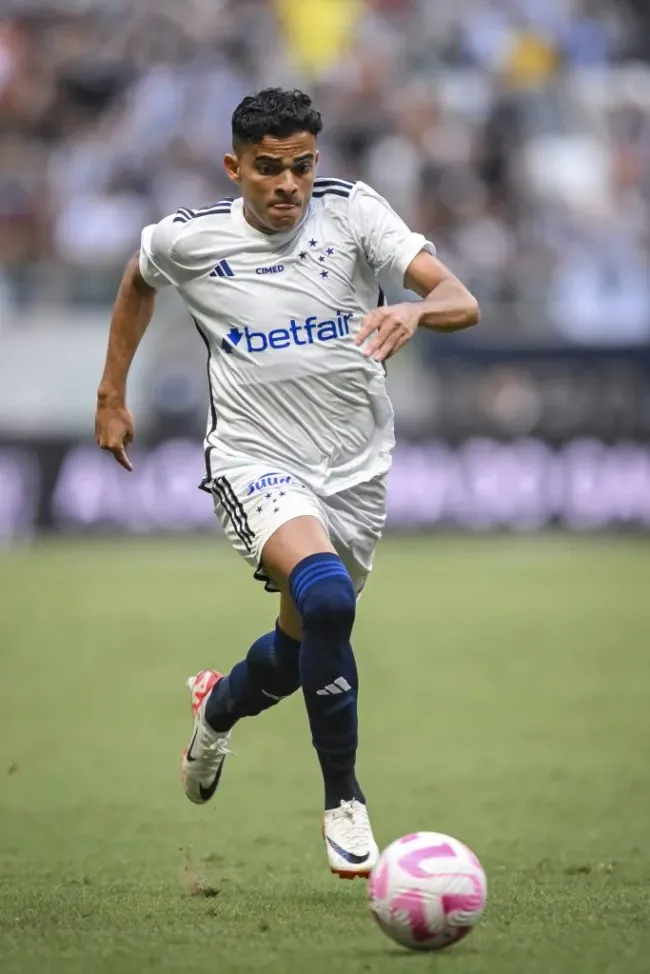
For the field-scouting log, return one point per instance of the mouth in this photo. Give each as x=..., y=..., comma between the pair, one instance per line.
x=284, y=207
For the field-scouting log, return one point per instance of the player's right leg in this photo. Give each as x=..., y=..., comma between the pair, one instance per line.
x=249, y=506
x=268, y=673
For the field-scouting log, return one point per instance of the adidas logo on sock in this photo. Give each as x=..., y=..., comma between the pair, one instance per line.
x=340, y=685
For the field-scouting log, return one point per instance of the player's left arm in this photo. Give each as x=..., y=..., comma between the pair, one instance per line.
x=446, y=306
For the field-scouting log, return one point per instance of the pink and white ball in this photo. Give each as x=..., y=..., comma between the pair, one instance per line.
x=427, y=891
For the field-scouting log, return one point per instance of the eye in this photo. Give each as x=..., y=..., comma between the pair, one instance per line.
x=265, y=169
x=304, y=167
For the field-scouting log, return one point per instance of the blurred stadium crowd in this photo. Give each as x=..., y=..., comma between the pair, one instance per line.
x=515, y=133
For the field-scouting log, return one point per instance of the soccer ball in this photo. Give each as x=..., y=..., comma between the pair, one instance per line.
x=427, y=891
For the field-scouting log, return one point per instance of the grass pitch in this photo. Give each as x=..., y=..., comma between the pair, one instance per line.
x=504, y=700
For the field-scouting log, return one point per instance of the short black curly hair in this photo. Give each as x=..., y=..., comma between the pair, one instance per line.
x=276, y=112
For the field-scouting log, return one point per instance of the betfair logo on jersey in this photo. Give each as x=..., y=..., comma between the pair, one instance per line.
x=311, y=332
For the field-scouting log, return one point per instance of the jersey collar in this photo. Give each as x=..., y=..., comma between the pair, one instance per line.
x=237, y=214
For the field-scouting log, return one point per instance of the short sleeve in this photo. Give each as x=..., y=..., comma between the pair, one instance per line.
x=385, y=240
x=172, y=252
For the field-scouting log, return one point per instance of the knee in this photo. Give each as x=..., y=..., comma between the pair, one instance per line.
x=324, y=594
x=331, y=603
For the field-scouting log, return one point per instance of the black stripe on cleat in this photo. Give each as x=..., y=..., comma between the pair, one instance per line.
x=348, y=856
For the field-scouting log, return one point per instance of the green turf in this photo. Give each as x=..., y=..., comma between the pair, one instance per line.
x=504, y=700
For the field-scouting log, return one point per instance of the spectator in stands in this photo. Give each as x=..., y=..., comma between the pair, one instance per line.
x=480, y=120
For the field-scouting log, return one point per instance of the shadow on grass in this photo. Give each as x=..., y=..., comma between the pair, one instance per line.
x=444, y=956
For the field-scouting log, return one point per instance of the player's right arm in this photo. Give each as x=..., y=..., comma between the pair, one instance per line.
x=133, y=310
x=172, y=252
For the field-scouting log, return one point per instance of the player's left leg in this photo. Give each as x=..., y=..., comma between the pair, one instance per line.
x=356, y=520
x=301, y=555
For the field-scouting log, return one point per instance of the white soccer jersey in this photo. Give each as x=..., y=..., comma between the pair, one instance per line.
x=278, y=314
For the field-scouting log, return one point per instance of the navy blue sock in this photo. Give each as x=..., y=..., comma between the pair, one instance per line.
x=325, y=598
x=269, y=673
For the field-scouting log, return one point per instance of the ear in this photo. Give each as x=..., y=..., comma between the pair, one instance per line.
x=316, y=158
x=231, y=165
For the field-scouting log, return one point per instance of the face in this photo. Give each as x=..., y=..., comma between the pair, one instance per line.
x=276, y=177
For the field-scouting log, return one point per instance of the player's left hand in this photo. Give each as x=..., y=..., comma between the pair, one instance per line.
x=391, y=328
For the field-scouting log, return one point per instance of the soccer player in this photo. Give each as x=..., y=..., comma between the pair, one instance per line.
x=284, y=285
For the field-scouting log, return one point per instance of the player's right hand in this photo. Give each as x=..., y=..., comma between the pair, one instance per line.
x=114, y=430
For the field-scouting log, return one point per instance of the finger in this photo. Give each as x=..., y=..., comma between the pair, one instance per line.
x=392, y=342
x=374, y=347
x=371, y=323
x=388, y=348
x=380, y=336
x=120, y=455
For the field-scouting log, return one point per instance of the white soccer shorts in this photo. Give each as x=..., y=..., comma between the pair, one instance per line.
x=252, y=502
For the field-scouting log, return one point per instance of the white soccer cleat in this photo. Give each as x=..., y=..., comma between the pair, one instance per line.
x=203, y=760
x=351, y=847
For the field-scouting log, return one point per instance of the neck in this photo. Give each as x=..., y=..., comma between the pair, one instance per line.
x=250, y=218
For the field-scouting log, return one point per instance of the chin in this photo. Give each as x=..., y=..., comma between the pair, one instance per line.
x=284, y=222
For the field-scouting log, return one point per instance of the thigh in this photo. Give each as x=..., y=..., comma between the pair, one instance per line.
x=254, y=505
x=286, y=548
x=356, y=519
x=291, y=543
x=288, y=617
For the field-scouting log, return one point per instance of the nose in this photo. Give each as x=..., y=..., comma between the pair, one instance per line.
x=286, y=184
